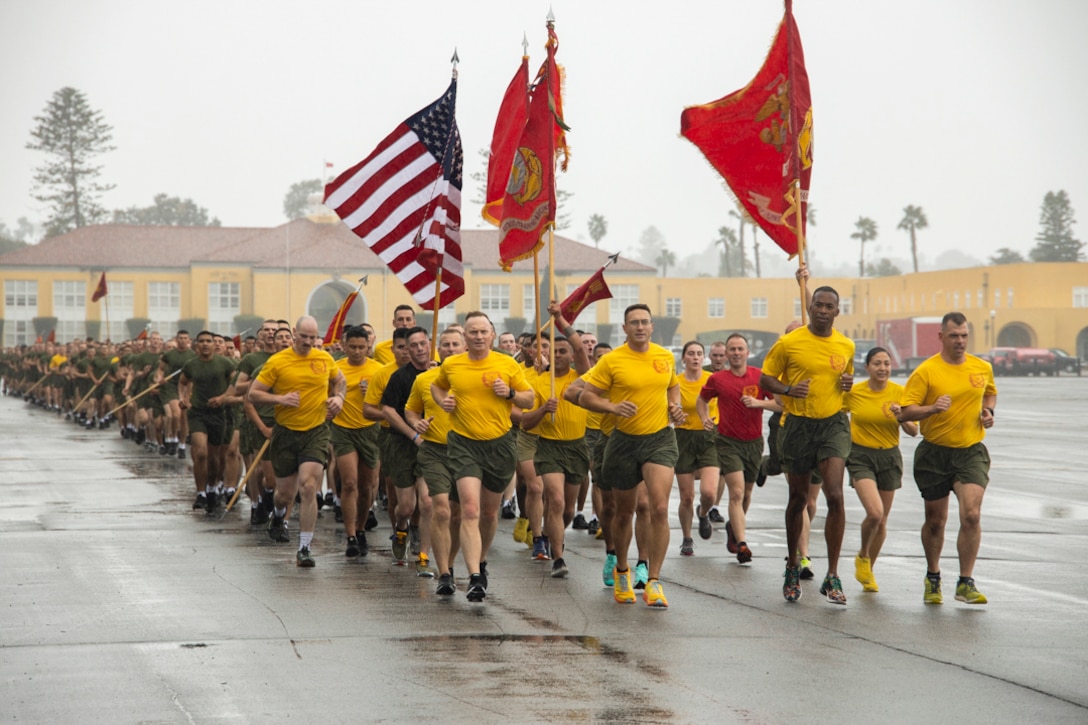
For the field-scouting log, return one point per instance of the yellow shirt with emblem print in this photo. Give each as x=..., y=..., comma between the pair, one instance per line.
x=642, y=378
x=967, y=384
x=351, y=415
x=479, y=414
x=421, y=402
x=872, y=423
x=287, y=372
x=689, y=393
x=801, y=355
x=569, y=422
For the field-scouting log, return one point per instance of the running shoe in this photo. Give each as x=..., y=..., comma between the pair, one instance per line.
x=609, y=567
x=559, y=569
x=863, y=572
x=304, y=559
x=540, y=549
x=211, y=501
x=932, y=594
x=622, y=590
x=446, y=587
x=687, y=548
x=181, y=453
x=730, y=539
x=791, y=588
x=599, y=536
x=254, y=515
x=593, y=527
x=352, y=552
x=483, y=574
x=508, y=510
x=201, y=502
x=966, y=591
x=338, y=514
x=277, y=529
x=761, y=476
x=476, y=590
x=806, y=568
x=371, y=521
x=413, y=540
x=423, y=567
x=832, y=589
x=642, y=575
x=400, y=545
x=654, y=595
x=715, y=516
x=744, y=554
x=364, y=548
x=330, y=499
x=579, y=523
x=705, y=529
x=520, y=527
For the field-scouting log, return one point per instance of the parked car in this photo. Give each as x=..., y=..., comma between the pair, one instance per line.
x=999, y=358
x=1065, y=362
x=1033, y=361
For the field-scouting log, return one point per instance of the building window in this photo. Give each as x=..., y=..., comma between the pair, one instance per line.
x=224, y=303
x=623, y=296
x=967, y=299
x=21, y=306
x=70, y=309
x=759, y=307
x=1080, y=296
x=495, y=299
x=674, y=307
x=846, y=305
x=119, y=307
x=164, y=307
x=997, y=298
x=955, y=300
x=796, y=306
x=981, y=299
x=1008, y=299
x=528, y=302
x=715, y=307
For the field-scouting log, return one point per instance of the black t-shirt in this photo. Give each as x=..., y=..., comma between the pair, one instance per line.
x=399, y=388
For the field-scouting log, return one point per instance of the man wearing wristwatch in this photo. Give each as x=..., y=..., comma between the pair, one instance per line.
x=478, y=388
x=307, y=389
x=953, y=395
x=811, y=369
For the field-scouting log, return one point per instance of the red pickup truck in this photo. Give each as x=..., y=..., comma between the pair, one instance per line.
x=1023, y=361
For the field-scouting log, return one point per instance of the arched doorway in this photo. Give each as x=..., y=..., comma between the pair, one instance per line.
x=1082, y=344
x=325, y=301
x=1016, y=334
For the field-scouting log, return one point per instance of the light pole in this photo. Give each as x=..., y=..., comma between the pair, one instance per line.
x=993, y=325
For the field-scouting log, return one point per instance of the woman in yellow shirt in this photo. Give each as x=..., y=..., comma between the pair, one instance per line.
x=698, y=449
x=875, y=464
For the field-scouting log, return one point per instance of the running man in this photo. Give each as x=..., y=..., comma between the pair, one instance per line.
x=202, y=395
x=953, y=395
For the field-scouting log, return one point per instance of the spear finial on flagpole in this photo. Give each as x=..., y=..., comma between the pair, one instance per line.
x=612, y=259
x=524, y=44
x=551, y=16
x=455, y=60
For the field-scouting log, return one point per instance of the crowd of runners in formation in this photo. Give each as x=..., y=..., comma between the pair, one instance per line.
x=456, y=433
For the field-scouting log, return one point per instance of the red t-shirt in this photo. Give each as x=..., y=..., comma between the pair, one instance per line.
x=735, y=420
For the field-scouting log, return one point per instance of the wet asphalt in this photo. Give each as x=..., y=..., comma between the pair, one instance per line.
x=121, y=604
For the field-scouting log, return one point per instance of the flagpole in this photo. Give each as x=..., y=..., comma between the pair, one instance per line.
x=536, y=303
x=551, y=289
x=801, y=249
x=436, y=307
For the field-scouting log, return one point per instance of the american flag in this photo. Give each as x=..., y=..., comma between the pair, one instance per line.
x=404, y=201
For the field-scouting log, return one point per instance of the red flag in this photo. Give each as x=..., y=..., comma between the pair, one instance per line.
x=760, y=137
x=593, y=289
x=513, y=113
x=404, y=201
x=337, y=325
x=101, y=290
x=142, y=335
x=528, y=209
x=237, y=340
x=328, y=164
x=52, y=335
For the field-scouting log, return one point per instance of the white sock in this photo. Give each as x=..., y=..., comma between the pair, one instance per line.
x=304, y=539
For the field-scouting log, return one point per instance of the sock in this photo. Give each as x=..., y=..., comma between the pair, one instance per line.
x=281, y=512
x=935, y=576
x=304, y=539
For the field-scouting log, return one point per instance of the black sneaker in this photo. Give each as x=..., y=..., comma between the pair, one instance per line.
x=483, y=572
x=277, y=529
x=593, y=527
x=559, y=569
x=446, y=587
x=254, y=515
x=201, y=502
x=181, y=453
x=715, y=516
x=364, y=548
x=761, y=477
x=162, y=450
x=338, y=514
x=352, y=551
x=330, y=499
x=371, y=521
x=303, y=558
x=705, y=530
x=476, y=589
x=212, y=500
x=579, y=523
x=508, y=510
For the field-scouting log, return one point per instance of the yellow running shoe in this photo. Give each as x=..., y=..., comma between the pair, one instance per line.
x=966, y=591
x=621, y=588
x=521, y=526
x=932, y=594
x=863, y=572
x=654, y=595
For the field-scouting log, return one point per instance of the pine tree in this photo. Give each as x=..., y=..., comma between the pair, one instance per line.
x=1055, y=240
x=72, y=134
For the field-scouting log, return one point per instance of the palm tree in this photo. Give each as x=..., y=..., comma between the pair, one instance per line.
x=866, y=232
x=727, y=238
x=742, y=216
x=913, y=218
x=665, y=260
x=598, y=227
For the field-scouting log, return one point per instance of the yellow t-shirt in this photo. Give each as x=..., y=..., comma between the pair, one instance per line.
x=643, y=378
x=800, y=355
x=967, y=383
x=378, y=381
x=422, y=402
x=286, y=372
x=351, y=415
x=872, y=423
x=57, y=361
x=689, y=393
x=570, y=419
x=479, y=413
x=383, y=352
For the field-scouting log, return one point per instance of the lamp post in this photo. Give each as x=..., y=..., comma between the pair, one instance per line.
x=993, y=325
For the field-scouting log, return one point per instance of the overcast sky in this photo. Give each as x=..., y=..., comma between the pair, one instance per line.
x=970, y=109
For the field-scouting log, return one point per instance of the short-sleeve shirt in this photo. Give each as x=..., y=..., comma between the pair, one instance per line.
x=872, y=423
x=399, y=388
x=479, y=413
x=209, y=378
x=286, y=372
x=801, y=355
x=351, y=415
x=175, y=359
x=644, y=378
x=421, y=402
x=689, y=393
x=376, y=388
x=737, y=421
x=570, y=419
x=967, y=383
x=383, y=352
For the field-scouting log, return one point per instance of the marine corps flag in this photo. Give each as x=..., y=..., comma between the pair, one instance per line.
x=101, y=290
x=509, y=126
x=594, y=289
x=760, y=138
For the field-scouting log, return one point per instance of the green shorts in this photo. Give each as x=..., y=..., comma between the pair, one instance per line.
x=596, y=462
x=625, y=455
x=250, y=437
x=290, y=448
x=104, y=390
x=804, y=442
x=383, y=446
x=212, y=422
x=362, y=441
x=737, y=455
x=696, y=450
x=401, y=466
x=526, y=445
x=169, y=391
x=591, y=437
x=434, y=462
x=883, y=465
x=492, y=461
x=936, y=468
x=567, y=457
